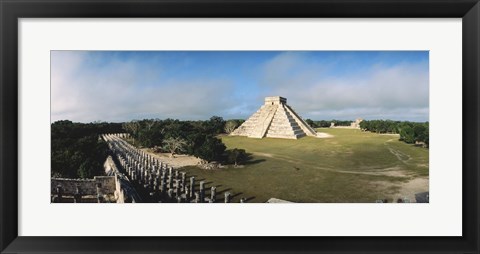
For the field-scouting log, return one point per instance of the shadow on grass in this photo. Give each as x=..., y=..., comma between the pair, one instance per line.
x=249, y=160
x=223, y=191
x=237, y=194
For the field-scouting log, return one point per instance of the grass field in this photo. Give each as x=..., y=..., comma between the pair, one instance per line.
x=352, y=166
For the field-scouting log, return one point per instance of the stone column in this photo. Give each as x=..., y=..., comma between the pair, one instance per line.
x=177, y=188
x=187, y=193
x=242, y=200
x=170, y=181
x=59, y=194
x=197, y=197
x=99, y=193
x=164, y=176
x=227, y=197
x=142, y=174
x=213, y=194
x=184, y=178
x=77, y=197
x=133, y=177
x=202, y=191
x=192, y=186
x=163, y=187
x=155, y=184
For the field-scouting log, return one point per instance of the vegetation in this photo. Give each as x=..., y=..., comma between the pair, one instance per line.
x=231, y=125
x=353, y=166
x=77, y=151
x=197, y=138
x=174, y=145
x=236, y=156
x=410, y=132
x=326, y=124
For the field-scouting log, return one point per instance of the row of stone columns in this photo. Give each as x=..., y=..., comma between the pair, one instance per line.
x=163, y=182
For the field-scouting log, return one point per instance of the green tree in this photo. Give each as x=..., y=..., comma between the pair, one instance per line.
x=133, y=128
x=212, y=149
x=236, y=156
x=419, y=132
x=174, y=145
x=215, y=125
x=230, y=126
x=311, y=123
x=407, y=134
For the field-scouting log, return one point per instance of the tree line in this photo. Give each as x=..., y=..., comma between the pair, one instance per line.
x=326, y=124
x=410, y=132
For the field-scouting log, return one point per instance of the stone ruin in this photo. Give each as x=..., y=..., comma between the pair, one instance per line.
x=353, y=125
x=135, y=176
x=275, y=119
x=114, y=187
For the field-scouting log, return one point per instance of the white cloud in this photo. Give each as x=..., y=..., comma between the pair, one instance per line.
x=383, y=92
x=117, y=92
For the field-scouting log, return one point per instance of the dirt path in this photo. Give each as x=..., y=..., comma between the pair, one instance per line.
x=176, y=162
x=408, y=189
x=323, y=135
x=392, y=171
x=412, y=187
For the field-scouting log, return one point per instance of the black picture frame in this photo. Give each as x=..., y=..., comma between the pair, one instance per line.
x=12, y=10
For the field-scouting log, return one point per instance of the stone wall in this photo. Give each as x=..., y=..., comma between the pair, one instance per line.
x=107, y=183
x=86, y=186
x=69, y=186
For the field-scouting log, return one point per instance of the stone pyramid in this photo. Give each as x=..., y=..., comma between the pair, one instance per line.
x=275, y=119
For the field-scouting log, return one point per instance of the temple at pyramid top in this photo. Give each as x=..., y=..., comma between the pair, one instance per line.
x=274, y=119
x=275, y=100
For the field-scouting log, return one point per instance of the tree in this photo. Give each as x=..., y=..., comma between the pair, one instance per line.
x=212, y=149
x=174, y=144
x=132, y=127
x=419, y=132
x=230, y=126
x=236, y=156
x=311, y=123
x=150, y=138
x=426, y=135
x=407, y=134
x=215, y=125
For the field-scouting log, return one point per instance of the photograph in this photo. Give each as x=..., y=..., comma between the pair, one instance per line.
x=239, y=126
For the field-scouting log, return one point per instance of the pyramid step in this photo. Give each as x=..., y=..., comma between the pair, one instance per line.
x=280, y=129
x=297, y=136
x=285, y=132
x=287, y=121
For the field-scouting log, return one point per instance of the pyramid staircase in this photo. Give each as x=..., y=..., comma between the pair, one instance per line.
x=274, y=119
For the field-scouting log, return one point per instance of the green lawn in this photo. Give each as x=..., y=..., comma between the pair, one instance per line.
x=353, y=166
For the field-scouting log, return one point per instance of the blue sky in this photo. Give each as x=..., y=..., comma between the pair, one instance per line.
x=195, y=85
